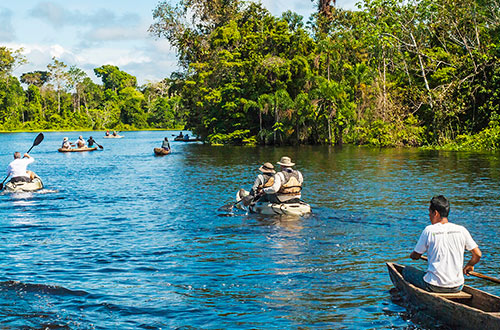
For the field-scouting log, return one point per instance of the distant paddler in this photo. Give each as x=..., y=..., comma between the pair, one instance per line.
x=165, y=144
x=444, y=243
x=80, y=143
x=66, y=144
x=91, y=142
x=287, y=185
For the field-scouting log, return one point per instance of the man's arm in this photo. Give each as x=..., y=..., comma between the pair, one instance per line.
x=29, y=159
x=476, y=256
x=415, y=255
x=256, y=184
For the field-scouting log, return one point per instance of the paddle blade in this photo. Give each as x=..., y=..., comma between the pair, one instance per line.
x=247, y=200
x=38, y=139
x=226, y=208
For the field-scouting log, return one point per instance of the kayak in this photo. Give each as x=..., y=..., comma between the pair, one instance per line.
x=161, y=151
x=34, y=185
x=267, y=208
x=468, y=309
x=179, y=139
x=77, y=149
x=113, y=136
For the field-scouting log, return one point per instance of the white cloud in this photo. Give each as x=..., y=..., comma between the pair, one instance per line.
x=117, y=33
x=301, y=7
x=152, y=60
x=58, y=16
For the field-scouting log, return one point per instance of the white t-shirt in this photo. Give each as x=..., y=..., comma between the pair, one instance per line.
x=18, y=166
x=445, y=245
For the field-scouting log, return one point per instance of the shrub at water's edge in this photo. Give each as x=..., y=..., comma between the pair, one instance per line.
x=486, y=140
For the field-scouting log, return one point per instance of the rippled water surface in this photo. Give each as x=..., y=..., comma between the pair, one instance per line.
x=121, y=239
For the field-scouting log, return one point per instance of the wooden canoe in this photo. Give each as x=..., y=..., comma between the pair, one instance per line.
x=161, y=151
x=77, y=149
x=468, y=309
x=184, y=140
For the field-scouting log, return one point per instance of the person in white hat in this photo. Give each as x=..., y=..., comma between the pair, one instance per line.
x=66, y=144
x=287, y=184
x=263, y=180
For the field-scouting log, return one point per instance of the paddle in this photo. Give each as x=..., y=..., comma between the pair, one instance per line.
x=38, y=140
x=229, y=207
x=486, y=277
x=100, y=146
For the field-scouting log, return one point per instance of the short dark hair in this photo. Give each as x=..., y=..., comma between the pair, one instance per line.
x=440, y=204
x=17, y=155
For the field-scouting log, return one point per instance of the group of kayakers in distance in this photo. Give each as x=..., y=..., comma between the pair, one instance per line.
x=182, y=137
x=112, y=134
x=79, y=144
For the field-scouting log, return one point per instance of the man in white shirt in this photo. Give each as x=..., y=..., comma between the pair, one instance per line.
x=444, y=243
x=18, y=168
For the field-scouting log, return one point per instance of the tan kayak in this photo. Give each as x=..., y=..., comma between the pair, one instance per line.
x=77, y=149
x=113, y=136
x=34, y=185
x=161, y=151
x=268, y=208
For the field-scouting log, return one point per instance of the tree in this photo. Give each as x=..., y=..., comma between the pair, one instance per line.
x=36, y=78
x=115, y=79
x=76, y=76
x=59, y=76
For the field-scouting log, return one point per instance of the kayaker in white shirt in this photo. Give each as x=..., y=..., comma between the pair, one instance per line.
x=17, y=169
x=80, y=143
x=445, y=244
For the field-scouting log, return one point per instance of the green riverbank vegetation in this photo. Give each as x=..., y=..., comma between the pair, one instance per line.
x=392, y=73
x=65, y=98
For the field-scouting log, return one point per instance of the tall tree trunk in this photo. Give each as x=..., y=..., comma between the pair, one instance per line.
x=422, y=69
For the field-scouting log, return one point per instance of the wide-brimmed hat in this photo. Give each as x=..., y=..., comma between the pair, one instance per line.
x=65, y=139
x=285, y=161
x=267, y=168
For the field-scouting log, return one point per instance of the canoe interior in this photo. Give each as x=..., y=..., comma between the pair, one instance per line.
x=480, y=300
x=161, y=151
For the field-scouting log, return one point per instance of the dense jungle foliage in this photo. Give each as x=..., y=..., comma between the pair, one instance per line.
x=424, y=72
x=63, y=98
x=392, y=73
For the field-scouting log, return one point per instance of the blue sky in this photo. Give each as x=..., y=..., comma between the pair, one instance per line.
x=91, y=33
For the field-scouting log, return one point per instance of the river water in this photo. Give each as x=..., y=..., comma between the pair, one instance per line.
x=121, y=239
